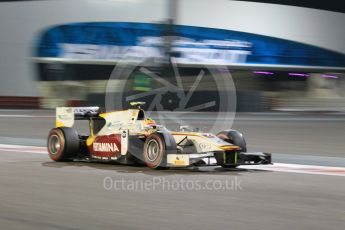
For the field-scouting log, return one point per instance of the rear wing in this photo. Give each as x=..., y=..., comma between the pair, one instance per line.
x=65, y=116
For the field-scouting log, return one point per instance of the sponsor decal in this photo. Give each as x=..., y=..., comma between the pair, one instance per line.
x=65, y=117
x=105, y=147
x=84, y=110
x=178, y=159
x=189, y=50
x=205, y=146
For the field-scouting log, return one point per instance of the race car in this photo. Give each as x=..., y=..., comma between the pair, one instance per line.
x=129, y=137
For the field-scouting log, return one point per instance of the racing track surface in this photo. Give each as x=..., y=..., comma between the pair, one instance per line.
x=36, y=193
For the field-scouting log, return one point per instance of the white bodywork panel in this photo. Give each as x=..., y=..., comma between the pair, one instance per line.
x=181, y=160
x=203, y=142
x=122, y=120
x=124, y=142
x=64, y=117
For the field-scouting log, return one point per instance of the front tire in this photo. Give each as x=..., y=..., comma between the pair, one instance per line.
x=234, y=137
x=154, y=154
x=63, y=144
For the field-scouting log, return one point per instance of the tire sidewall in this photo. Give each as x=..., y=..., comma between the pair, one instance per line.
x=161, y=159
x=59, y=155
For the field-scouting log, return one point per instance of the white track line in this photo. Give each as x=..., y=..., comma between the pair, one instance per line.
x=297, y=168
x=24, y=116
x=276, y=167
x=23, y=149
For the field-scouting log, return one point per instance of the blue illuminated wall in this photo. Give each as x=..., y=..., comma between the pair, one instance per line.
x=86, y=38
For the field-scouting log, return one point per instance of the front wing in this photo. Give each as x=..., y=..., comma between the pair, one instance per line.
x=218, y=158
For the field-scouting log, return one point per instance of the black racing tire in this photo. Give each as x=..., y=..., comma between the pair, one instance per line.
x=63, y=144
x=154, y=153
x=234, y=137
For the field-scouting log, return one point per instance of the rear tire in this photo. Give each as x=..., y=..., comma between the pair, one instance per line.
x=154, y=154
x=63, y=144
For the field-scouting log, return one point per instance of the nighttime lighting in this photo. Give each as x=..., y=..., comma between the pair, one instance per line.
x=263, y=73
x=329, y=76
x=299, y=74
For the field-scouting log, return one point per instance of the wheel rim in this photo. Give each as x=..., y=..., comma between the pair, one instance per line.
x=153, y=150
x=54, y=144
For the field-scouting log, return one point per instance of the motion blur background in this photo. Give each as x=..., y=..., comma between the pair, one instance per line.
x=287, y=56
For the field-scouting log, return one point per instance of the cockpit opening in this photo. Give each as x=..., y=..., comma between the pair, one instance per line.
x=141, y=115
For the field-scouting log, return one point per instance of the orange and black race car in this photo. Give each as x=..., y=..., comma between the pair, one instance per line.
x=129, y=137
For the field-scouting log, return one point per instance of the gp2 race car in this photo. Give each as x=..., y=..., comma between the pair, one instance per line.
x=129, y=137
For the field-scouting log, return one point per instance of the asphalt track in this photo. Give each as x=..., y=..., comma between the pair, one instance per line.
x=36, y=193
